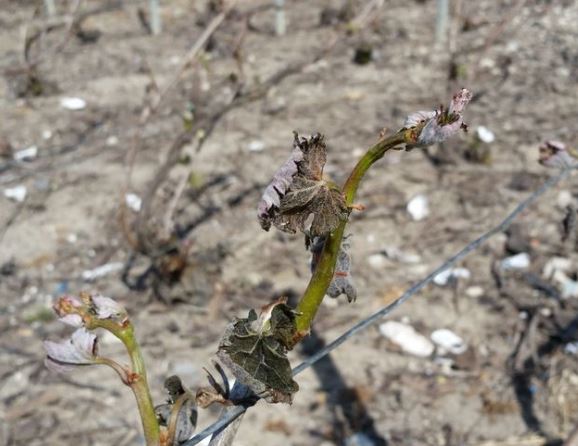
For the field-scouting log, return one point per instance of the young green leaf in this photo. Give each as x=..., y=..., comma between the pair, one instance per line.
x=298, y=198
x=255, y=350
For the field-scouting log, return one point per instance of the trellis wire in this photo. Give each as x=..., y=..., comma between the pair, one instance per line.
x=235, y=412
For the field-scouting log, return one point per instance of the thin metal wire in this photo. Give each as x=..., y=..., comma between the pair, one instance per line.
x=234, y=413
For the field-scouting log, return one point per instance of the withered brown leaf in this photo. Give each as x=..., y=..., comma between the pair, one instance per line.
x=179, y=414
x=298, y=198
x=341, y=282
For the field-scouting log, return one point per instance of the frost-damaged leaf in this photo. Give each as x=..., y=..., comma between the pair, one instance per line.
x=436, y=126
x=79, y=311
x=555, y=154
x=67, y=308
x=179, y=414
x=298, y=198
x=255, y=350
x=341, y=282
x=107, y=308
x=81, y=349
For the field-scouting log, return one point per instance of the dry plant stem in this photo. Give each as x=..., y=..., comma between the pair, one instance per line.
x=323, y=274
x=138, y=379
x=155, y=16
x=50, y=8
x=193, y=52
x=442, y=19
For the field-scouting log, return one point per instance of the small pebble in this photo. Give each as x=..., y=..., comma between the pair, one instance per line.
x=26, y=154
x=397, y=254
x=73, y=103
x=359, y=439
x=445, y=277
x=418, y=207
x=16, y=193
x=112, y=141
x=519, y=261
x=377, y=261
x=484, y=134
x=133, y=201
x=474, y=292
x=571, y=348
x=564, y=199
x=448, y=341
x=569, y=288
x=409, y=340
x=256, y=146
x=556, y=264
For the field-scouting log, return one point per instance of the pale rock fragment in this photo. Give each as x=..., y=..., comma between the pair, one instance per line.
x=418, y=207
x=448, y=341
x=71, y=103
x=518, y=261
x=16, y=193
x=409, y=340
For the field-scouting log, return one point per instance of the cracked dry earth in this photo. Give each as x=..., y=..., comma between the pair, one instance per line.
x=517, y=382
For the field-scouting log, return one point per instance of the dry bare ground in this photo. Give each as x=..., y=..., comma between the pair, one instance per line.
x=517, y=384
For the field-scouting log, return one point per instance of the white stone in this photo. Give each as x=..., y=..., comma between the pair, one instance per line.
x=394, y=253
x=571, y=348
x=518, y=261
x=256, y=146
x=474, y=292
x=359, y=439
x=133, y=201
x=73, y=103
x=26, y=154
x=377, y=261
x=569, y=288
x=444, y=277
x=556, y=264
x=16, y=193
x=112, y=141
x=418, y=207
x=485, y=134
x=407, y=338
x=448, y=341
x=564, y=199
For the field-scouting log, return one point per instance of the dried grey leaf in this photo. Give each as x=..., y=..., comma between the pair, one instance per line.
x=298, y=195
x=555, y=154
x=341, y=282
x=439, y=125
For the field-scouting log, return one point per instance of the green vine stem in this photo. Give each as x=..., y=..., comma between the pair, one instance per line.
x=137, y=379
x=323, y=274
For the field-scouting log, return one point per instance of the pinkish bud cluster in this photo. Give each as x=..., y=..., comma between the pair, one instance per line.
x=82, y=346
x=436, y=126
